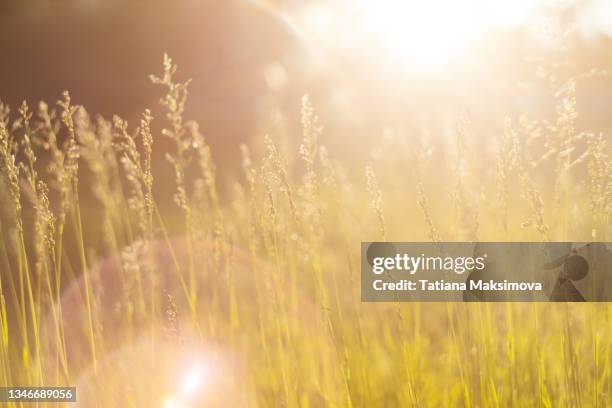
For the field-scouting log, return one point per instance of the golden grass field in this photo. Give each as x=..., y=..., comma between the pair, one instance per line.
x=245, y=292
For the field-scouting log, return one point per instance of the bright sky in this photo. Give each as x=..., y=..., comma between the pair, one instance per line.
x=429, y=33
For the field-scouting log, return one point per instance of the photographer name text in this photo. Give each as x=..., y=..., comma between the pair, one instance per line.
x=442, y=285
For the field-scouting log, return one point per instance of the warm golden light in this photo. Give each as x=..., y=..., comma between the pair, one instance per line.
x=322, y=203
x=429, y=33
x=422, y=34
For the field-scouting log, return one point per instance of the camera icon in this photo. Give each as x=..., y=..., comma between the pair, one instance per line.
x=582, y=275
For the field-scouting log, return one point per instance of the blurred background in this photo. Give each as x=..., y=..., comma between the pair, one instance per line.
x=474, y=120
x=369, y=66
x=374, y=70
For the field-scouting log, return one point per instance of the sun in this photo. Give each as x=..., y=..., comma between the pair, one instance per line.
x=423, y=34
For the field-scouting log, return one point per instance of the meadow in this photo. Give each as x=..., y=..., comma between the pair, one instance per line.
x=245, y=291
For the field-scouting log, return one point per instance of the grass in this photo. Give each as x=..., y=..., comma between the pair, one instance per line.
x=255, y=282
